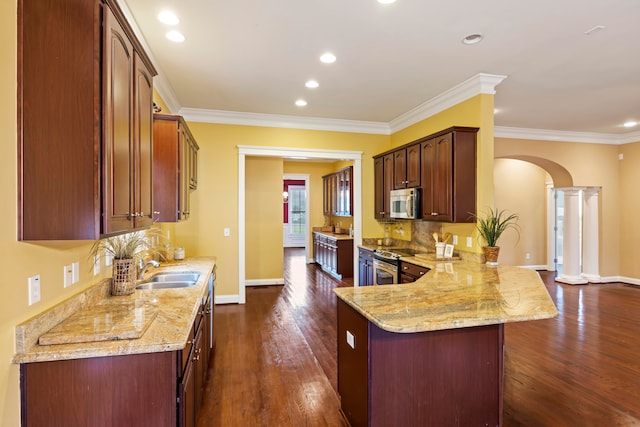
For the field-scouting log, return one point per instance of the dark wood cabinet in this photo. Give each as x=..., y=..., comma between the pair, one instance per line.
x=411, y=272
x=335, y=255
x=97, y=112
x=437, y=378
x=383, y=182
x=175, y=158
x=365, y=267
x=337, y=194
x=449, y=175
x=406, y=167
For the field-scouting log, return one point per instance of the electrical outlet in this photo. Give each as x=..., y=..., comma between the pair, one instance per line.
x=469, y=242
x=527, y=256
x=96, y=265
x=34, y=289
x=68, y=275
x=75, y=272
x=108, y=259
x=455, y=239
x=351, y=340
x=227, y=232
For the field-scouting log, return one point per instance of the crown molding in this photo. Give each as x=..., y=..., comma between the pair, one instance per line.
x=283, y=121
x=565, y=136
x=480, y=83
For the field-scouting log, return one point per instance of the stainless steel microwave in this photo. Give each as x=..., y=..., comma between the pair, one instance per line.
x=405, y=203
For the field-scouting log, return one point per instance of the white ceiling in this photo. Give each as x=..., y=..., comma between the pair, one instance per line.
x=254, y=56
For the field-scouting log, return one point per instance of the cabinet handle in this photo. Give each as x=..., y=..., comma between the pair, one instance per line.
x=434, y=213
x=405, y=268
x=190, y=342
x=421, y=273
x=195, y=358
x=156, y=212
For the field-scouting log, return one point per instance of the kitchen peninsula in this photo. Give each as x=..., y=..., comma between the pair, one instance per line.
x=429, y=353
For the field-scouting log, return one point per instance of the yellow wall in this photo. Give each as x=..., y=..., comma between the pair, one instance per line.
x=589, y=165
x=263, y=242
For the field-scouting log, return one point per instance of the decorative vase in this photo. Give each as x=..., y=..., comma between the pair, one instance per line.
x=123, y=281
x=491, y=254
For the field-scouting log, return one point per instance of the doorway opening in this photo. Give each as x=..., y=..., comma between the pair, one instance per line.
x=295, y=211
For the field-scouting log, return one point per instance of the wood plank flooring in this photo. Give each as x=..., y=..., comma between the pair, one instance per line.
x=275, y=363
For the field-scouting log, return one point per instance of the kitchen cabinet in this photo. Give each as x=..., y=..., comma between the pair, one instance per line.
x=449, y=175
x=148, y=389
x=338, y=193
x=411, y=272
x=383, y=184
x=406, y=167
x=84, y=143
x=334, y=254
x=435, y=378
x=365, y=266
x=175, y=159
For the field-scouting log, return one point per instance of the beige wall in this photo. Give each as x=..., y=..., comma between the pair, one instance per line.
x=520, y=187
x=588, y=165
x=629, y=208
x=263, y=219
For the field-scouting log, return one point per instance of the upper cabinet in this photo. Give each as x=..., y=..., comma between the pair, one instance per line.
x=338, y=192
x=406, y=167
x=84, y=129
x=175, y=159
x=442, y=164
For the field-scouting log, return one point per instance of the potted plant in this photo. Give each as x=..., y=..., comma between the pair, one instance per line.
x=490, y=227
x=124, y=249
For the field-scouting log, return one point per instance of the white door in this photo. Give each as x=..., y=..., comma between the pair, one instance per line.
x=295, y=229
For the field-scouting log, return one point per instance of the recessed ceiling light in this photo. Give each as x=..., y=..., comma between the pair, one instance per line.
x=386, y=1
x=301, y=102
x=630, y=124
x=175, y=36
x=328, y=58
x=473, y=38
x=168, y=18
x=312, y=84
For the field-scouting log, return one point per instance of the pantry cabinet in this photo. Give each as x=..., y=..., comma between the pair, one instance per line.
x=84, y=141
x=338, y=193
x=383, y=184
x=175, y=158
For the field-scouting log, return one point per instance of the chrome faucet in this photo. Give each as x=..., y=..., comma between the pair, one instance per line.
x=142, y=267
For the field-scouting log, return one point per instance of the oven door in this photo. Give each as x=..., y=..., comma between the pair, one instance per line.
x=384, y=273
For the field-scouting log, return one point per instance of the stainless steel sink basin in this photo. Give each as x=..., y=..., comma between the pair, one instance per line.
x=166, y=285
x=175, y=276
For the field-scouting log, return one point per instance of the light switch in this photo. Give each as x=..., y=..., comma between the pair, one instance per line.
x=34, y=289
x=351, y=340
x=227, y=232
x=68, y=275
x=469, y=242
x=455, y=239
x=75, y=271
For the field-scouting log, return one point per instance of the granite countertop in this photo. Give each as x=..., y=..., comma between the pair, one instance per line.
x=452, y=295
x=334, y=235
x=168, y=318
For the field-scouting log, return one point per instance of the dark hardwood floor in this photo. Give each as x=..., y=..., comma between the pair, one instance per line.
x=275, y=363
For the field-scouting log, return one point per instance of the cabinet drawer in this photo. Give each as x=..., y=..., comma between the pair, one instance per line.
x=414, y=270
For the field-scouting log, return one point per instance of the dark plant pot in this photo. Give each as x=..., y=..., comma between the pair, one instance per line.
x=491, y=254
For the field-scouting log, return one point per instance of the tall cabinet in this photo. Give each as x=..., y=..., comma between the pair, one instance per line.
x=84, y=143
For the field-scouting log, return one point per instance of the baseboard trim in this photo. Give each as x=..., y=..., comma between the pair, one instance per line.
x=227, y=299
x=264, y=282
x=534, y=267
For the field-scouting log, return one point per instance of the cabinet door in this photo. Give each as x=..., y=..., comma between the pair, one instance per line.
x=187, y=405
x=428, y=171
x=413, y=166
x=118, y=198
x=143, y=143
x=443, y=177
x=383, y=171
x=183, y=144
x=399, y=169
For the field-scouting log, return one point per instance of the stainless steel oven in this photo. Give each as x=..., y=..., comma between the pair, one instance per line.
x=384, y=273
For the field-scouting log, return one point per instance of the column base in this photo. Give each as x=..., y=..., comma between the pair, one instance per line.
x=592, y=278
x=572, y=280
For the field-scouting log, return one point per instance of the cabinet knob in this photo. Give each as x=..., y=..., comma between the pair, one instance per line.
x=405, y=267
x=156, y=212
x=434, y=213
x=421, y=273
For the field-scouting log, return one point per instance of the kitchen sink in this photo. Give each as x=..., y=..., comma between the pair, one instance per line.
x=175, y=276
x=166, y=285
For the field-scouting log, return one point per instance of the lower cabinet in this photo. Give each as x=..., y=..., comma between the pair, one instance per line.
x=430, y=379
x=150, y=389
x=411, y=272
x=365, y=264
x=335, y=255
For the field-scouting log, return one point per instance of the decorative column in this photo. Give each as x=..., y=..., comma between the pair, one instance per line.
x=590, y=239
x=571, y=268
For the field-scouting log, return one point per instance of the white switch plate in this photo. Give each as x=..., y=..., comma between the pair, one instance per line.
x=469, y=242
x=351, y=340
x=108, y=259
x=455, y=239
x=96, y=265
x=34, y=289
x=68, y=275
x=227, y=232
x=75, y=268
